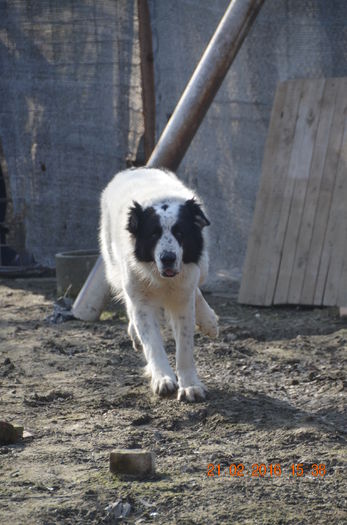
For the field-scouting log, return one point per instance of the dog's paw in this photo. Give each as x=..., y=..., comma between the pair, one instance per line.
x=207, y=321
x=209, y=326
x=190, y=388
x=192, y=393
x=164, y=386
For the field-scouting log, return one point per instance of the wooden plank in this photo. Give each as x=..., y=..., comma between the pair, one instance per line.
x=317, y=260
x=272, y=253
x=297, y=251
x=332, y=293
x=296, y=183
x=332, y=191
x=342, y=278
x=309, y=211
x=343, y=311
x=247, y=293
x=270, y=195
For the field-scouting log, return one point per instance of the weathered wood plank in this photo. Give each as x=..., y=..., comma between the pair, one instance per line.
x=252, y=272
x=309, y=211
x=319, y=252
x=338, y=237
x=270, y=195
x=297, y=251
x=296, y=183
x=282, y=197
x=343, y=311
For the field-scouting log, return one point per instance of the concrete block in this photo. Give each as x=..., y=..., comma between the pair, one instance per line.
x=9, y=434
x=136, y=463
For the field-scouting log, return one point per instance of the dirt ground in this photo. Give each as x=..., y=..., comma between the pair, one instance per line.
x=276, y=381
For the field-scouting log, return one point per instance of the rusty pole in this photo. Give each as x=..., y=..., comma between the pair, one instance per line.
x=147, y=76
x=183, y=124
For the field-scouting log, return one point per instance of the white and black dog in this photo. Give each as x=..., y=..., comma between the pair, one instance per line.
x=154, y=246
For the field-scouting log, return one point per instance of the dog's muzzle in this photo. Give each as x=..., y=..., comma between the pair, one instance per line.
x=168, y=260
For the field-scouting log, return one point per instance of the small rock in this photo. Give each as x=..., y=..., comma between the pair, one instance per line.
x=27, y=436
x=118, y=510
x=137, y=463
x=144, y=419
x=6, y=368
x=158, y=436
x=9, y=434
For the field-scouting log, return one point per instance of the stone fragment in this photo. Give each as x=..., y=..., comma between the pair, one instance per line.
x=118, y=510
x=9, y=433
x=137, y=463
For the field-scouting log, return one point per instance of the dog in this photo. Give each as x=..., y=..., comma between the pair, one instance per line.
x=153, y=242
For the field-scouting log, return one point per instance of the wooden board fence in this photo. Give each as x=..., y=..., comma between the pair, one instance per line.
x=297, y=249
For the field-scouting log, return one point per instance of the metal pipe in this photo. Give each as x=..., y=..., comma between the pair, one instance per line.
x=183, y=124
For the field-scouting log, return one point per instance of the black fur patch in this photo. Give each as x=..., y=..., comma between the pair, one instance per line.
x=144, y=225
x=187, y=230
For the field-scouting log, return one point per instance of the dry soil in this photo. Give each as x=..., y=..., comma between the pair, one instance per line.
x=276, y=407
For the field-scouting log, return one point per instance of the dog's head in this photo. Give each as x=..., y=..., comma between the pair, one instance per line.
x=169, y=234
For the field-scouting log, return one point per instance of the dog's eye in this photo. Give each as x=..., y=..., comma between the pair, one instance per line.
x=178, y=234
x=156, y=233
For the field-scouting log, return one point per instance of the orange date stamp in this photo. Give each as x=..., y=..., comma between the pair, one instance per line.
x=262, y=470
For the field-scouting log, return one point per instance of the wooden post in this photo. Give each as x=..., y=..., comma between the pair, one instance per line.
x=147, y=76
x=184, y=122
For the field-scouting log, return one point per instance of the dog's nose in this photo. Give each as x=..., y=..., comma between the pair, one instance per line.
x=168, y=258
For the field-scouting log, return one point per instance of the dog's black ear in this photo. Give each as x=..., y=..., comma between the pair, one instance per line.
x=199, y=218
x=134, y=217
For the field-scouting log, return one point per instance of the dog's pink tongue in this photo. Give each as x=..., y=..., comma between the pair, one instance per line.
x=169, y=273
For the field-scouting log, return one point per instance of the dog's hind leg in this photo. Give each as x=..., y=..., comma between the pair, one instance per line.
x=133, y=336
x=206, y=319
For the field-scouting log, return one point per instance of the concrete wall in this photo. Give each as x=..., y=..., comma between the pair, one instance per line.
x=71, y=107
x=70, y=113
x=290, y=39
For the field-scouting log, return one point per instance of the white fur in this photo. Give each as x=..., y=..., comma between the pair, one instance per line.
x=143, y=289
x=167, y=241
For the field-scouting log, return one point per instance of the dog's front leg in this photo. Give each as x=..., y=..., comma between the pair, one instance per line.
x=144, y=320
x=190, y=387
